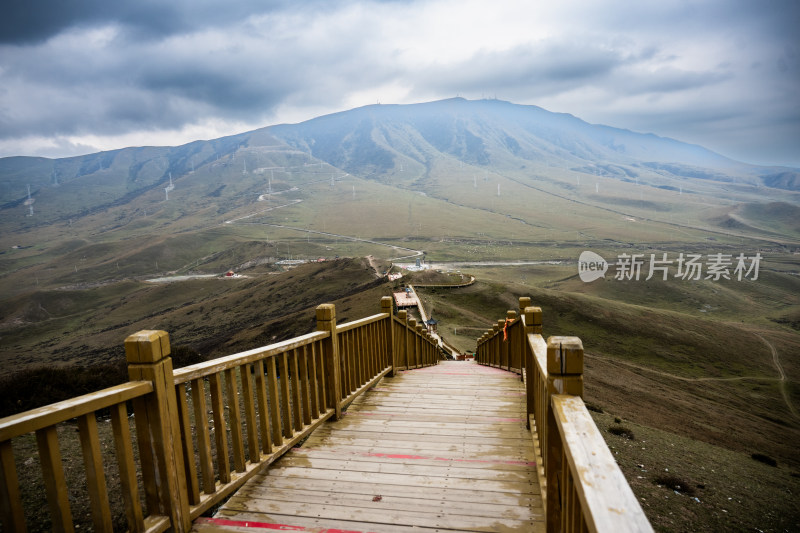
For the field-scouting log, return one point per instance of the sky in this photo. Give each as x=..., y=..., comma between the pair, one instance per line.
x=82, y=76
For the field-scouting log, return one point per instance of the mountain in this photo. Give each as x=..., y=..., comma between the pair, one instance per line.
x=378, y=142
x=139, y=238
x=375, y=140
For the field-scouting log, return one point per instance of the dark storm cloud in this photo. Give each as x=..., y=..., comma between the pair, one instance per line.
x=102, y=82
x=35, y=21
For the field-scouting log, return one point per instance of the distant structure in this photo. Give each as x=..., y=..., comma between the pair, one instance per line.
x=498, y=189
x=597, y=188
x=244, y=167
x=432, y=324
x=169, y=187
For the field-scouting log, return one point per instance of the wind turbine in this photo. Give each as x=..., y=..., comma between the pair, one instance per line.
x=30, y=202
x=169, y=187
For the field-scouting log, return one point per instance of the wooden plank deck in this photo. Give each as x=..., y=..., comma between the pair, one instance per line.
x=442, y=448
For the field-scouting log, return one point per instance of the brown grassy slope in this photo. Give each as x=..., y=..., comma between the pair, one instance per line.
x=214, y=316
x=685, y=484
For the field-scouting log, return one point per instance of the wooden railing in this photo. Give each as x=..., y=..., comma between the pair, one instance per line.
x=201, y=431
x=582, y=486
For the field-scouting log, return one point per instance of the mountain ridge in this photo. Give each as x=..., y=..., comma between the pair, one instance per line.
x=397, y=144
x=465, y=125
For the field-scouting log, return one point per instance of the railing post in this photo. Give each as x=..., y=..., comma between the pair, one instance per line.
x=511, y=349
x=157, y=427
x=490, y=345
x=533, y=325
x=524, y=302
x=495, y=348
x=502, y=347
x=326, y=321
x=402, y=315
x=418, y=345
x=564, y=376
x=429, y=352
x=411, y=353
x=387, y=307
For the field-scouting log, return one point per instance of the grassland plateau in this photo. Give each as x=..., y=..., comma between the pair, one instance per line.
x=694, y=382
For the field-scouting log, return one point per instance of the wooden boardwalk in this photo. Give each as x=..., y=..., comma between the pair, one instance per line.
x=442, y=448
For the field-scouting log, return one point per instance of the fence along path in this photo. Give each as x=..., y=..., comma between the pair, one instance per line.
x=401, y=443
x=442, y=447
x=184, y=440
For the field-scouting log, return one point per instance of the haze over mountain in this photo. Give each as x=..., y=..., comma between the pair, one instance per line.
x=374, y=139
x=379, y=142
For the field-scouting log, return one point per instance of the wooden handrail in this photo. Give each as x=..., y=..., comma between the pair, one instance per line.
x=583, y=488
x=254, y=406
x=188, y=373
x=590, y=465
x=341, y=328
x=50, y=415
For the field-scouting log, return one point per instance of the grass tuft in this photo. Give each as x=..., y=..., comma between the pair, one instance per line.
x=763, y=458
x=622, y=431
x=675, y=483
x=593, y=407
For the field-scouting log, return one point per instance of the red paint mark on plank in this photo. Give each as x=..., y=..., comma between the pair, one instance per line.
x=269, y=525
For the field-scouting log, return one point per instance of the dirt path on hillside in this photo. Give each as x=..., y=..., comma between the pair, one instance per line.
x=374, y=266
x=674, y=376
x=782, y=381
x=775, y=359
